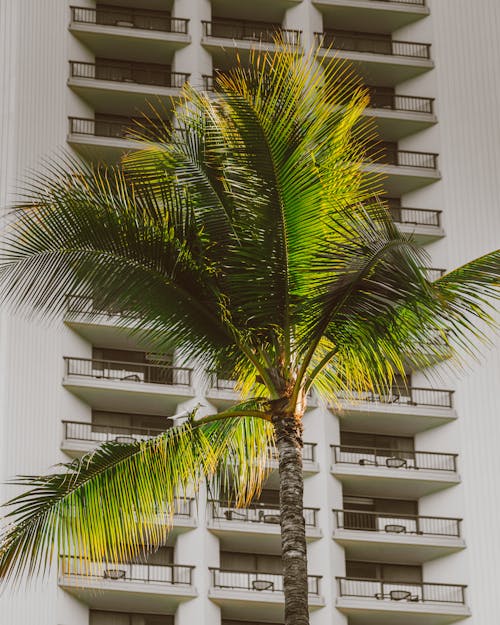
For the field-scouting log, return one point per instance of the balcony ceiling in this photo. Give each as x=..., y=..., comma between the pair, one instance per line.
x=154, y=399
x=122, y=98
x=129, y=43
x=368, y=15
x=393, y=419
x=127, y=596
x=404, y=549
x=373, y=612
x=256, y=10
x=392, y=483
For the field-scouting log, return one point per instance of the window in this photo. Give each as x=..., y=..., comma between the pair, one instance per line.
x=384, y=572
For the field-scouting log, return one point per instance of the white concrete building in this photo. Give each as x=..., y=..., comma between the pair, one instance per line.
x=401, y=492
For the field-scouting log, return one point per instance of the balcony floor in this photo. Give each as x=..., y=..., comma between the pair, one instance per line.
x=126, y=595
x=258, y=606
x=392, y=483
x=391, y=418
x=122, y=98
x=393, y=125
x=403, y=548
x=398, y=179
x=108, y=41
x=125, y=396
x=247, y=536
x=370, y=15
x=383, y=70
x=367, y=611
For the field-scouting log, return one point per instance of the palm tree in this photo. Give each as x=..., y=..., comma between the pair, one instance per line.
x=245, y=235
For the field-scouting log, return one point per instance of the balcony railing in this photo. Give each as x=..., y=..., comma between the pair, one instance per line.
x=116, y=129
x=401, y=591
x=394, y=458
x=82, y=304
x=125, y=17
x=136, y=73
x=401, y=524
x=257, y=582
x=308, y=453
x=127, y=371
x=411, y=396
x=360, y=42
x=97, y=433
x=385, y=155
x=396, y=102
x=257, y=513
x=243, y=30
x=174, y=574
x=416, y=216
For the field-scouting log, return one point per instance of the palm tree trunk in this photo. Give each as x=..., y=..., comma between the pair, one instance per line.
x=288, y=430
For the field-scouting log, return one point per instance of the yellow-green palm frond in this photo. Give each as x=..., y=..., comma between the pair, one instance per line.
x=119, y=500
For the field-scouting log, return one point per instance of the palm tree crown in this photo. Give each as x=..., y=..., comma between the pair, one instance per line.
x=246, y=235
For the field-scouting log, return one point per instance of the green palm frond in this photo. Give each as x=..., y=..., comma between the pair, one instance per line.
x=120, y=499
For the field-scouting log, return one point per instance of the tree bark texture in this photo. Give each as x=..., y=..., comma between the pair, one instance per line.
x=288, y=432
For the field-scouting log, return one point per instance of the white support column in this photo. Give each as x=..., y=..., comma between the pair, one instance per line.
x=194, y=58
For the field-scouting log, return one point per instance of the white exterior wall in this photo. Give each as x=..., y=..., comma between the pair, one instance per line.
x=35, y=102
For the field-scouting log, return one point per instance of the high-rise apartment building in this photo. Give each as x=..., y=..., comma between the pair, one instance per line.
x=400, y=491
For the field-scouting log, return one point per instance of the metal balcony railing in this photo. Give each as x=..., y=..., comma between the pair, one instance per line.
x=400, y=524
x=397, y=102
x=136, y=73
x=221, y=382
x=127, y=371
x=81, y=304
x=387, y=155
x=308, y=453
x=416, y=216
x=410, y=396
x=97, y=433
x=113, y=129
x=401, y=591
x=174, y=574
x=394, y=458
x=257, y=581
x=256, y=513
x=361, y=42
x=243, y=30
x=126, y=17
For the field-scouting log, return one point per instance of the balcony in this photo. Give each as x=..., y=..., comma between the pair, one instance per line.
x=378, y=58
x=80, y=437
x=423, y=224
x=403, y=538
x=256, y=595
x=127, y=587
x=393, y=473
x=242, y=528
x=222, y=392
x=374, y=602
x=372, y=15
x=96, y=322
x=120, y=87
x=118, y=386
x=246, y=33
x=397, y=115
x=107, y=140
x=404, y=411
x=127, y=33
x=403, y=170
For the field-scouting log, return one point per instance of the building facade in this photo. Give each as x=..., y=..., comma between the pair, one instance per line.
x=400, y=490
